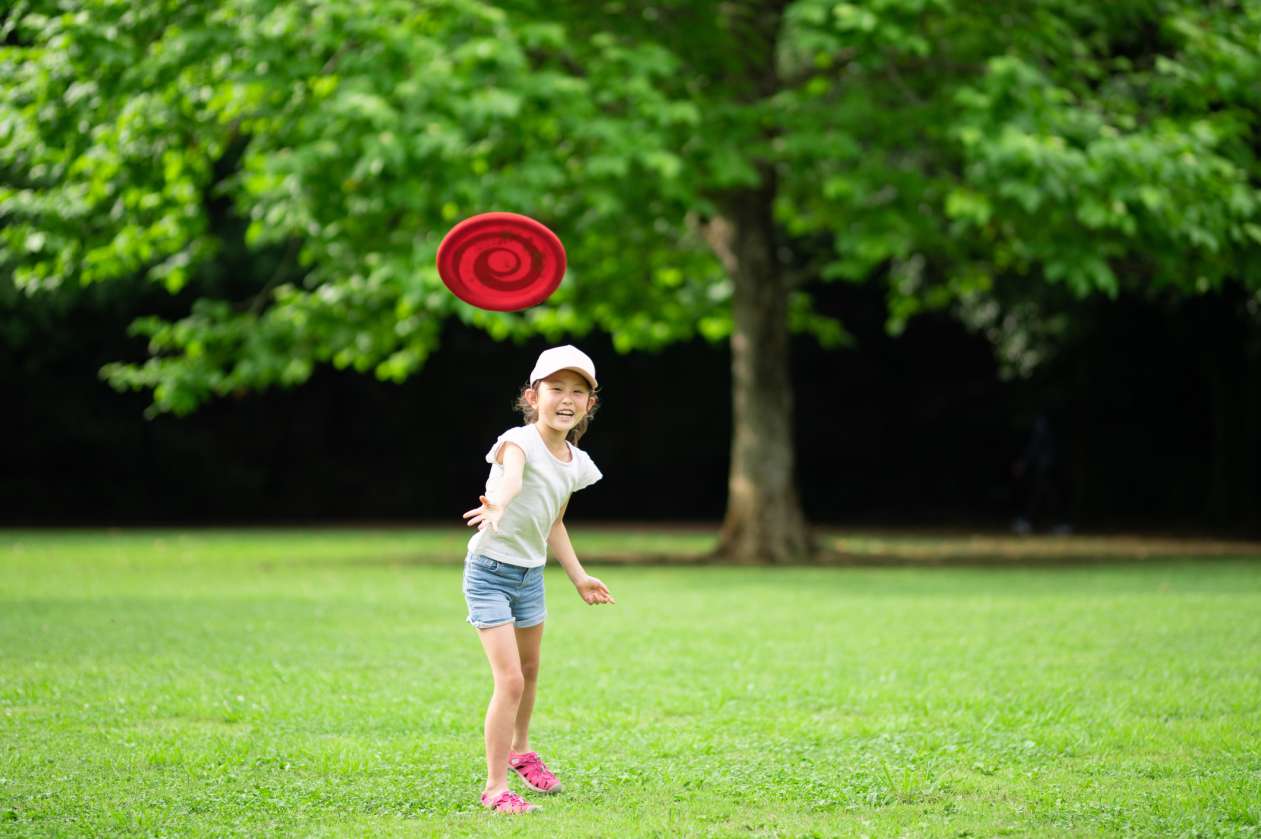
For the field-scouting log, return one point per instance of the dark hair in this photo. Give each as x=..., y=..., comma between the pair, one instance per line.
x=531, y=413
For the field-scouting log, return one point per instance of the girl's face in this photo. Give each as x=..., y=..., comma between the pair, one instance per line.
x=562, y=400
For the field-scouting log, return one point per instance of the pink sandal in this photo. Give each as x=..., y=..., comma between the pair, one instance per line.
x=508, y=802
x=531, y=769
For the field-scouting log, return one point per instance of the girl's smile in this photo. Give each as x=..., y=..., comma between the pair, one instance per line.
x=562, y=400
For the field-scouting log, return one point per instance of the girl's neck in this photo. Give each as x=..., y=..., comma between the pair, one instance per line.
x=554, y=439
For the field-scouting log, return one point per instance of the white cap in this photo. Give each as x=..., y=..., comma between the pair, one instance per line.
x=564, y=358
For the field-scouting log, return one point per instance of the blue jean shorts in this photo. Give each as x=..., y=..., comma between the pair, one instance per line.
x=500, y=592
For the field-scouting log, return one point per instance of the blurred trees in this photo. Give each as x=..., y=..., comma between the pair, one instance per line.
x=703, y=162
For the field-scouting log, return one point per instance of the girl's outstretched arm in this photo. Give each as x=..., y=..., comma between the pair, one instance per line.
x=589, y=588
x=492, y=509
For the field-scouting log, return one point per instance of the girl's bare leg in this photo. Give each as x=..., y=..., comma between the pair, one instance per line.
x=500, y=643
x=528, y=644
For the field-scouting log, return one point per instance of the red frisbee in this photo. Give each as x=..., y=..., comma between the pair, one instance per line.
x=501, y=261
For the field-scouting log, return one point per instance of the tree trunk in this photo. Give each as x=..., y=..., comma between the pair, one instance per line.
x=764, y=522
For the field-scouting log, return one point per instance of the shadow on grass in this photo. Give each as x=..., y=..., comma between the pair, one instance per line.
x=1006, y=550
x=899, y=550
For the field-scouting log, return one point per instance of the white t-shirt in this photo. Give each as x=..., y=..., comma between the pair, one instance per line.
x=546, y=484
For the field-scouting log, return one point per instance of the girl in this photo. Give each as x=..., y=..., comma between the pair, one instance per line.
x=534, y=469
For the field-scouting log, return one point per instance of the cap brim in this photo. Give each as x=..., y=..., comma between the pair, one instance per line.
x=578, y=370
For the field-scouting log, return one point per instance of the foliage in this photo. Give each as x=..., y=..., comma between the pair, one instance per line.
x=945, y=147
x=1092, y=147
x=355, y=135
x=1117, y=154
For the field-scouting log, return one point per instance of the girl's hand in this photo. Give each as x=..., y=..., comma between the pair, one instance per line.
x=487, y=515
x=593, y=591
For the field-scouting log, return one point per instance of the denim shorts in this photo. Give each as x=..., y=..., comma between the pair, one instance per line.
x=500, y=592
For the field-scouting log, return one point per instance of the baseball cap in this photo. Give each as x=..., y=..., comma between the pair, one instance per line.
x=564, y=358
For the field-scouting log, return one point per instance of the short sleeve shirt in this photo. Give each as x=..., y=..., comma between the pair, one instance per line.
x=546, y=484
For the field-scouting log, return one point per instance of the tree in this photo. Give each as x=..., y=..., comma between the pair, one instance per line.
x=1118, y=153
x=683, y=150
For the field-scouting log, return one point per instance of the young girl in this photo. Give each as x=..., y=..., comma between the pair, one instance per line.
x=534, y=469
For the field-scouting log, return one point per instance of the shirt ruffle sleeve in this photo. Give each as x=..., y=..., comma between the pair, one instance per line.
x=512, y=435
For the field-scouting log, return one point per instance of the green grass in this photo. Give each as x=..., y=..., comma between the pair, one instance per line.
x=324, y=684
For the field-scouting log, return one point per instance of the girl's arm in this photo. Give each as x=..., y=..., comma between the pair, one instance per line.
x=492, y=510
x=589, y=588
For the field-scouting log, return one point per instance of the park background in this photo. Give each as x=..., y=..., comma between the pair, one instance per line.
x=1154, y=409
x=966, y=218
x=833, y=260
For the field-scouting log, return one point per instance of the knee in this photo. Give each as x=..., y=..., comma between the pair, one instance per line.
x=511, y=685
x=530, y=671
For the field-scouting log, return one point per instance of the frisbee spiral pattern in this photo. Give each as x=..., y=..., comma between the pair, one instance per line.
x=501, y=261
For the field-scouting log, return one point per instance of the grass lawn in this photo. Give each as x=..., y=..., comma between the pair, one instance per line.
x=323, y=683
